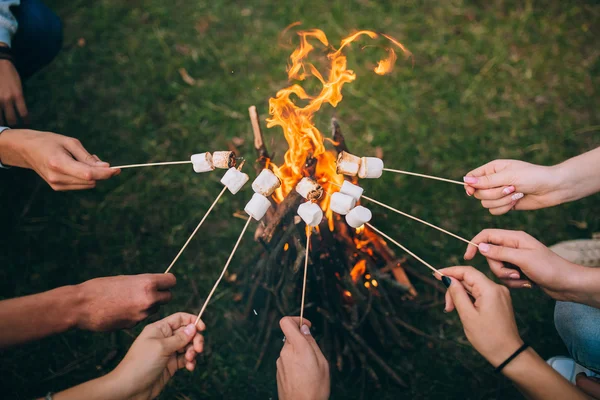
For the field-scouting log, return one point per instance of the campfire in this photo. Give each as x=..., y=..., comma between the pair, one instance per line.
x=355, y=283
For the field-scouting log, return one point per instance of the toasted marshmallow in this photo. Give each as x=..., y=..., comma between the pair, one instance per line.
x=311, y=213
x=347, y=164
x=358, y=216
x=342, y=203
x=309, y=189
x=202, y=162
x=234, y=180
x=223, y=159
x=266, y=183
x=370, y=167
x=257, y=206
x=351, y=190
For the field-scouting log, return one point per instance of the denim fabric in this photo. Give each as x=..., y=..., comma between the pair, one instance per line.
x=38, y=39
x=8, y=23
x=579, y=327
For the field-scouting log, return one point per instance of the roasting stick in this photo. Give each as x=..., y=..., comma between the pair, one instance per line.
x=224, y=270
x=308, y=233
x=196, y=230
x=398, y=171
x=151, y=164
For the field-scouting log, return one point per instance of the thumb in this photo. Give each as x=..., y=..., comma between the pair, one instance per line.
x=180, y=339
x=310, y=339
x=489, y=181
x=463, y=304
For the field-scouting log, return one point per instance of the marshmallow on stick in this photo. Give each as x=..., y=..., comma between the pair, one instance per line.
x=311, y=213
x=347, y=164
x=223, y=159
x=370, y=167
x=351, y=190
x=257, y=206
x=358, y=216
x=234, y=180
x=202, y=162
x=341, y=203
x=309, y=189
x=266, y=183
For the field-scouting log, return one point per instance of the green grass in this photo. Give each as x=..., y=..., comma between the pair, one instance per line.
x=503, y=80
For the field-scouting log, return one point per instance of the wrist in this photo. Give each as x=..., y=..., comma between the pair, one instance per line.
x=583, y=286
x=11, y=149
x=504, y=351
x=79, y=314
x=518, y=367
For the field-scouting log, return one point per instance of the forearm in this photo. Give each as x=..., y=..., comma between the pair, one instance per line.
x=537, y=380
x=28, y=318
x=579, y=176
x=12, y=142
x=101, y=388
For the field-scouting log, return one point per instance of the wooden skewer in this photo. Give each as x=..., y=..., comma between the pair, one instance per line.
x=308, y=233
x=196, y=230
x=224, y=269
x=398, y=171
x=151, y=164
x=420, y=220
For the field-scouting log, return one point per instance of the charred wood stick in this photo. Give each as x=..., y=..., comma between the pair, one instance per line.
x=430, y=281
x=414, y=330
x=265, y=343
x=338, y=138
x=285, y=209
x=259, y=142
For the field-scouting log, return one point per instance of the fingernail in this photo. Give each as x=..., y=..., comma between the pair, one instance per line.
x=508, y=190
x=517, y=196
x=470, y=179
x=527, y=285
x=484, y=247
x=467, y=192
x=446, y=281
x=305, y=330
x=189, y=330
x=514, y=275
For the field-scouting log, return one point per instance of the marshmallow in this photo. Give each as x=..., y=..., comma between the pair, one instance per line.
x=370, y=167
x=358, y=216
x=266, y=183
x=234, y=180
x=224, y=159
x=341, y=203
x=309, y=189
x=311, y=213
x=202, y=162
x=352, y=190
x=347, y=164
x=257, y=206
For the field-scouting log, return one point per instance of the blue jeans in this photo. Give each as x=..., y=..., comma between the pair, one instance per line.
x=579, y=327
x=38, y=39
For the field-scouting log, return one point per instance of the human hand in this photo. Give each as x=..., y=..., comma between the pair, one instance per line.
x=589, y=385
x=502, y=185
x=60, y=160
x=302, y=370
x=489, y=321
x=555, y=275
x=12, y=102
x=121, y=301
x=163, y=348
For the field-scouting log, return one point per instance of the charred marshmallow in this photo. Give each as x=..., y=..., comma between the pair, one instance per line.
x=309, y=189
x=202, y=162
x=358, y=216
x=311, y=213
x=342, y=203
x=234, y=180
x=223, y=159
x=266, y=183
x=257, y=206
x=352, y=190
x=347, y=164
x=370, y=167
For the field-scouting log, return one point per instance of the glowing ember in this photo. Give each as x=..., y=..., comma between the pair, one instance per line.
x=303, y=138
x=358, y=270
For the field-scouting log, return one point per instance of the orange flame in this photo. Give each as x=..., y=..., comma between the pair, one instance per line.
x=358, y=270
x=303, y=138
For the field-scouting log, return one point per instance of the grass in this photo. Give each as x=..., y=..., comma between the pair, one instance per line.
x=502, y=80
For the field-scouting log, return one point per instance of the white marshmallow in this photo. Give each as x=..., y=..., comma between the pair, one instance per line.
x=347, y=164
x=224, y=159
x=309, y=189
x=257, y=206
x=352, y=190
x=202, y=162
x=234, y=180
x=358, y=216
x=311, y=213
x=370, y=167
x=266, y=183
x=342, y=203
